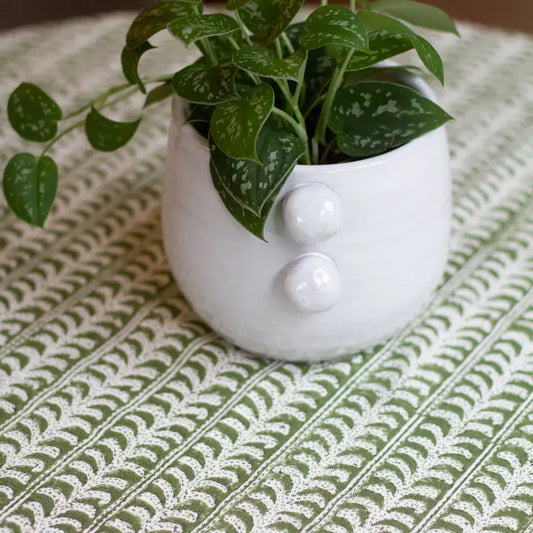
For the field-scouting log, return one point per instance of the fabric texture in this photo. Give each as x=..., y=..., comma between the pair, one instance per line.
x=121, y=411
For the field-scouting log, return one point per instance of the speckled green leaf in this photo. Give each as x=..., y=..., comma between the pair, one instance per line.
x=265, y=62
x=370, y=118
x=108, y=135
x=156, y=18
x=335, y=25
x=267, y=19
x=32, y=113
x=205, y=84
x=249, y=189
x=30, y=186
x=195, y=27
x=375, y=22
x=423, y=15
x=235, y=125
x=319, y=68
x=383, y=45
x=130, y=63
x=158, y=94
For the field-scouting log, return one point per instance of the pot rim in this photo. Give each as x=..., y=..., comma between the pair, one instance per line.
x=415, y=81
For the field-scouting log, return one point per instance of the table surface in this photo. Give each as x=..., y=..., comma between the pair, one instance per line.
x=121, y=411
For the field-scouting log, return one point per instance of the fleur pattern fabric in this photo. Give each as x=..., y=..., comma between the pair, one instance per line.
x=120, y=411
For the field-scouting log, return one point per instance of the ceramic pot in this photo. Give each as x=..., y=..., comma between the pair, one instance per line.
x=354, y=250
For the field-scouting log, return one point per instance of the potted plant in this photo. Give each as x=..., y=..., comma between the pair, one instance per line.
x=306, y=212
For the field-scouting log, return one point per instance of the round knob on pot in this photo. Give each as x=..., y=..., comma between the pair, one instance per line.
x=312, y=283
x=312, y=213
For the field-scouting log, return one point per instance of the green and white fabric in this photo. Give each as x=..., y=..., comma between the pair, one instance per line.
x=121, y=411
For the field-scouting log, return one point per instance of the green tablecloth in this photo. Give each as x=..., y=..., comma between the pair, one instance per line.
x=121, y=411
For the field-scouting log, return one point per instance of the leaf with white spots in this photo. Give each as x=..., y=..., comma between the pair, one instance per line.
x=249, y=189
x=130, y=63
x=155, y=18
x=429, y=56
x=423, y=15
x=319, y=67
x=382, y=45
x=205, y=84
x=30, y=186
x=235, y=125
x=195, y=27
x=268, y=19
x=108, y=135
x=335, y=25
x=371, y=118
x=32, y=113
x=265, y=62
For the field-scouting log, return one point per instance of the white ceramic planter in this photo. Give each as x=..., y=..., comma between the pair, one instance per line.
x=354, y=250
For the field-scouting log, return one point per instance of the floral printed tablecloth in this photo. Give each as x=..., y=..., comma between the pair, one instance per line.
x=121, y=411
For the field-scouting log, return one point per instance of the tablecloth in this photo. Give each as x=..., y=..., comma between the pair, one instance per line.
x=121, y=411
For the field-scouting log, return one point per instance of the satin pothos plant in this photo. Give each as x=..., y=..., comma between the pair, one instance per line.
x=266, y=92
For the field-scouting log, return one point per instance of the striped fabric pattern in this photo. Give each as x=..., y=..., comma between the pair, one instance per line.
x=120, y=411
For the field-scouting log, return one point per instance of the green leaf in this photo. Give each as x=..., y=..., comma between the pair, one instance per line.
x=30, y=186
x=107, y=135
x=383, y=45
x=249, y=189
x=319, y=69
x=426, y=52
x=265, y=62
x=235, y=125
x=417, y=13
x=205, y=84
x=267, y=19
x=32, y=113
x=195, y=27
x=158, y=94
x=156, y=18
x=370, y=118
x=335, y=25
x=130, y=63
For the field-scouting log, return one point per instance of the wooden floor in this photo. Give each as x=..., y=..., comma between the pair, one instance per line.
x=512, y=14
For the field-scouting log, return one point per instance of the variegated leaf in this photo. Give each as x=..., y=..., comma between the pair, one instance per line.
x=416, y=13
x=32, y=113
x=265, y=62
x=192, y=28
x=30, y=186
x=370, y=118
x=235, y=125
x=108, y=135
x=130, y=63
x=333, y=24
x=155, y=18
x=375, y=22
x=249, y=189
x=267, y=19
x=205, y=84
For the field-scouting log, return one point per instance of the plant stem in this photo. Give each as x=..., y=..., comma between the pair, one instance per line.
x=336, y=82
x=110, y=92
x=287, y=43
x=352, y=5
x=81, y=123
x=210, y=54
x=279, y=51
x=298, y=128
x=243, y=28
x=323, y=3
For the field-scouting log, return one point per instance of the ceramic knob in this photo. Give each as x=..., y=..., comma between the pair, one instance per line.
x=312, y=283
x=312, y=213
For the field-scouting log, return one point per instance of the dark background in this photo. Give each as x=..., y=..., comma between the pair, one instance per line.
x=512, y=14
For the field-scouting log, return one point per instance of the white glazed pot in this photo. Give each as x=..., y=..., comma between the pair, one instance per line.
x=354, y=249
